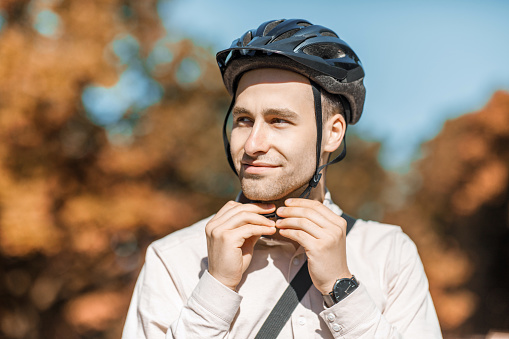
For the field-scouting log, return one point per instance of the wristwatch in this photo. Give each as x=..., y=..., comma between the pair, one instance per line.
x=342, y=288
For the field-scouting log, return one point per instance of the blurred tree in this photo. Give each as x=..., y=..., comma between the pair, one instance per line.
x=79, y=201
x=459, y=218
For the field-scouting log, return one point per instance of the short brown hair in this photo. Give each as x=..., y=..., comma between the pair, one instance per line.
x=331, y=105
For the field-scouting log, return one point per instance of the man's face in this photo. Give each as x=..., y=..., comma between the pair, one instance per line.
x=273, y=142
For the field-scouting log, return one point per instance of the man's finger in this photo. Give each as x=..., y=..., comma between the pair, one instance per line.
x=237, y=208
x=302, y=224
x=239, y=235
x=241, y=219
x=301, y=237
x=306, y=213
x=316, y=206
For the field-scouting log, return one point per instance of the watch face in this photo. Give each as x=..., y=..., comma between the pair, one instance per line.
x=344, y=287
x=339, y=289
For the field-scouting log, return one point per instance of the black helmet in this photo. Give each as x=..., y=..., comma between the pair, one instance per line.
x=311, y=50
x=297, y=45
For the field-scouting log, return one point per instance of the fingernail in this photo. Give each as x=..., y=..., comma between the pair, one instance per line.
x=289, y=201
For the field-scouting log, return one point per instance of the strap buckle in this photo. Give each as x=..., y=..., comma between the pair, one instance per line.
x=315, y=180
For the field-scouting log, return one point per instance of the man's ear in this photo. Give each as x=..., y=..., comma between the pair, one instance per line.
x=333, y=133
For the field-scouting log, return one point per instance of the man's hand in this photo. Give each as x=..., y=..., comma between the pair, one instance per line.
x=322, y=233
x=231, y=236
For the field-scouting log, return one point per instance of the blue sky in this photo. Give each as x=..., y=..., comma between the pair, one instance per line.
x=425, y=62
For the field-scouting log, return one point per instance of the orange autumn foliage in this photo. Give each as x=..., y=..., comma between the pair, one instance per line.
x=459, y=219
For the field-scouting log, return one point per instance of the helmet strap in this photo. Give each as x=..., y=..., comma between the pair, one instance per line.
x=317, y=96
x=226, y=143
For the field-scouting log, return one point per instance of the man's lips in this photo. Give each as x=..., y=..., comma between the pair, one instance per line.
x=257, y=167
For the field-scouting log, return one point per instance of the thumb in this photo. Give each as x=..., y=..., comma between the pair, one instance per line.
x=249, y=243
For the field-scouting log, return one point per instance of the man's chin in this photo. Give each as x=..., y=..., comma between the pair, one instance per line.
x=260, y=190
x=268, y=190
x=259, y=197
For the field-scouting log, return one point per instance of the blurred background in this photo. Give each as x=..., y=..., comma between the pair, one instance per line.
x=110, y=118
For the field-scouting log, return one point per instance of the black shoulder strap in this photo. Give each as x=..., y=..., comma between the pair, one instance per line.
x=291, y=297
x=350, y=221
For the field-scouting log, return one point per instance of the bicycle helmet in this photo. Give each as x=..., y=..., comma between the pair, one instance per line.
x=313, y=51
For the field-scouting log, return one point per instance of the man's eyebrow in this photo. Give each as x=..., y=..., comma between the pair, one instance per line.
x=281, y=113
x=239, y=110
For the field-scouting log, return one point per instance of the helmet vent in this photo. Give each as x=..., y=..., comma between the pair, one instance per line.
x=286, y=34
x=329, y=34
x=270, y=26
x=304, y=24
x=247, y=38
x=324, y=51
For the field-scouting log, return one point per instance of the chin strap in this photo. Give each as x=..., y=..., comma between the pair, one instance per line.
x=317, y=96
x=226, y=143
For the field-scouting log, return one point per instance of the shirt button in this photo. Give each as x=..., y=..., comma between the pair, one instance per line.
x=331, y=317
x=296, y=261
x=302, y=321
x=336, y=327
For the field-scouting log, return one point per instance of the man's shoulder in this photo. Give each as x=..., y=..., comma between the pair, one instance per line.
x=374, y=233
x=375, y=227
x=380, y=247
x=191, y=237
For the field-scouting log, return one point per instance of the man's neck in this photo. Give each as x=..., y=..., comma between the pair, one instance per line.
x=317, y=193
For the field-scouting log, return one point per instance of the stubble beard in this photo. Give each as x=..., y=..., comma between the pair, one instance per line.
x=272, y=189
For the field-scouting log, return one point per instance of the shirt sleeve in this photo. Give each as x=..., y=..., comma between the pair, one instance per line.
x=158, y=310
x=409, y=311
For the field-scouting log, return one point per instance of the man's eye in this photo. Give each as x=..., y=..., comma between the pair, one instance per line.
x=279, y=121
x=242, y=120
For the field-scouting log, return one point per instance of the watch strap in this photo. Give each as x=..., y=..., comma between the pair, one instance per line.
x=328, y=299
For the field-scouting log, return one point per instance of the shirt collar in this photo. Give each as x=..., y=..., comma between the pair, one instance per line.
x=327, y=201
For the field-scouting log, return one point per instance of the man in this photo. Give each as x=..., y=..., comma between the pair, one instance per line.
x=295, y=87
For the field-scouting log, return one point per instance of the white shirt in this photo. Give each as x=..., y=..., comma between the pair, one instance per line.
x=176, y=297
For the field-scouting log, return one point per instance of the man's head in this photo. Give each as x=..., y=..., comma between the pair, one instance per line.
x=284, y=56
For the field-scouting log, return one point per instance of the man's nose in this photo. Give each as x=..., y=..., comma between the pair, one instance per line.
x=258, y=140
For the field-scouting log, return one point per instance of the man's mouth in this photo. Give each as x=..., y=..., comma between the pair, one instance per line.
x=256, y=167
